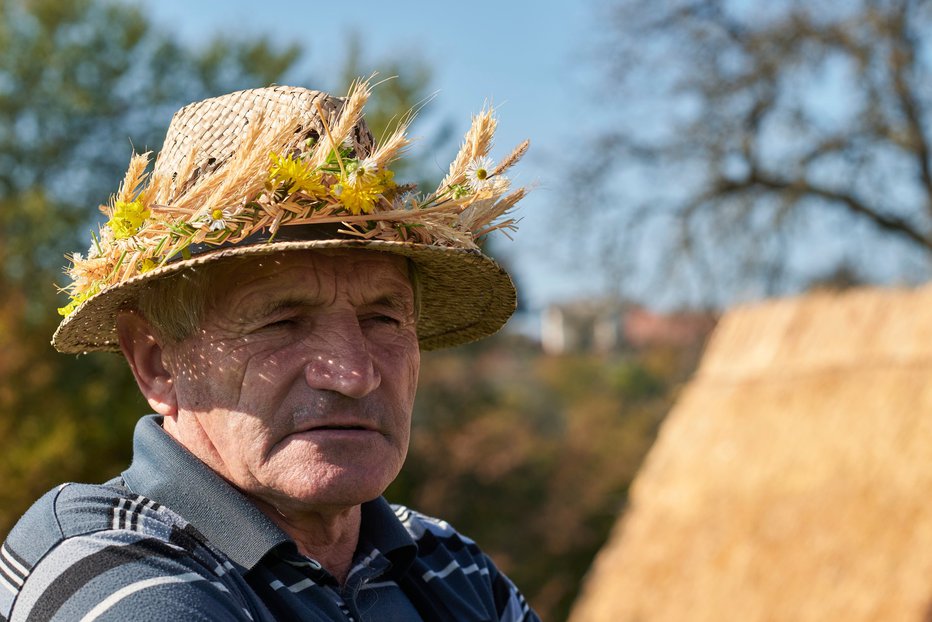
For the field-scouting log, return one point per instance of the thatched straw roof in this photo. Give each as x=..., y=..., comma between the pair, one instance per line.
x=793, y=479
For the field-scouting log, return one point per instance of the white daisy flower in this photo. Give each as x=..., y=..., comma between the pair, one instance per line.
x=361, y=170
x=478, y=173
x=216, y=219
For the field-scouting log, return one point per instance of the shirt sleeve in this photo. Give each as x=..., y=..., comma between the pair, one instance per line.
x=122, y=575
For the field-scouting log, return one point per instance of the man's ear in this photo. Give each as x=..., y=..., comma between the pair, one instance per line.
x=143, y=352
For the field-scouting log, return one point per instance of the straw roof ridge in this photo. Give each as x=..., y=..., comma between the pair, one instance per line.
x=822, y=331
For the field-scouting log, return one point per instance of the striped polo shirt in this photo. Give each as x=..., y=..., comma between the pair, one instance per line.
x=171, y=540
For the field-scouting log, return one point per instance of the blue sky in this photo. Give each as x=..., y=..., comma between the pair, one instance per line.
x=524, y=57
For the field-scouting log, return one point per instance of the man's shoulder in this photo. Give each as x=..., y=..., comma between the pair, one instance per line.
x=90, y=515
x=441, y=548
x=452, y=564
x=87, y=548
x=72, y=510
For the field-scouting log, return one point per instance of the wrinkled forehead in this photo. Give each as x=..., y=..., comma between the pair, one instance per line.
x=330, y=270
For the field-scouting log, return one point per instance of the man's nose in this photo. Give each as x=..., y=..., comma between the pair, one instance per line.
x=340, y=360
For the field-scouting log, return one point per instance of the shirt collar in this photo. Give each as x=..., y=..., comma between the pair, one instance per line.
x=168, y=473
x=381, y=529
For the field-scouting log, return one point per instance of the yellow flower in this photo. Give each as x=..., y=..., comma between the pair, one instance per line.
x=68, y=309
x=359, y=197
x=296, y=175
x=127, y=218
x=147, y=265
x=76, y=300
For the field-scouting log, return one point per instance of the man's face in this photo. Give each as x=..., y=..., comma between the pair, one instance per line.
x=298, y=388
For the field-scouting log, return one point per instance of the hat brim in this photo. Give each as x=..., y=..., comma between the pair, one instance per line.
x=464, y=295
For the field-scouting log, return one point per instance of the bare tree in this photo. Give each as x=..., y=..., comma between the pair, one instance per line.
x=755, y=146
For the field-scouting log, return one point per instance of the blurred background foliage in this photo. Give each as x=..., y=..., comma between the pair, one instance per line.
x=531, y=455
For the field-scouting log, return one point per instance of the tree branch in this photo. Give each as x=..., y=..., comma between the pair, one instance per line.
x=803, y=187
x=901, y=60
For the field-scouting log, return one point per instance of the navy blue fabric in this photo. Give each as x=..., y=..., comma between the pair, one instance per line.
x=171, y=540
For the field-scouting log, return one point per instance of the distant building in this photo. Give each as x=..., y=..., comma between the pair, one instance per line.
x=611, y=325
x=643, y=328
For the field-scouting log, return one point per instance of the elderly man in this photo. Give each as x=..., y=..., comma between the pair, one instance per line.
x=271, y=288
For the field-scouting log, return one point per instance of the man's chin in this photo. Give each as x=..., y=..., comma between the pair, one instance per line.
x=337, y=487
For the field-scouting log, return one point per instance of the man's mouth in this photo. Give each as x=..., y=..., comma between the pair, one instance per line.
x=340, y=427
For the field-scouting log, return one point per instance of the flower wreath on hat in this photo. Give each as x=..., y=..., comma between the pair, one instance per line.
x=278, y=178
x=285, y=168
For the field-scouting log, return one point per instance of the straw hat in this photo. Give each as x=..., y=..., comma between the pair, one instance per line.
x=284, y=168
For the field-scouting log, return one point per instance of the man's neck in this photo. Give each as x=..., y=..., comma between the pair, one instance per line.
x=329, y=538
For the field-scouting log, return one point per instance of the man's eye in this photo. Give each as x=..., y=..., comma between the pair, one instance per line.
x=380, y=319
x=284, y=323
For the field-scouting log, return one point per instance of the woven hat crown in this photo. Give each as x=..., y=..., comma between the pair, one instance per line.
x=212, y=129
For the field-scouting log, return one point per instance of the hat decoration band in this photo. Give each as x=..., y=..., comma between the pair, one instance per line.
x=282, y=174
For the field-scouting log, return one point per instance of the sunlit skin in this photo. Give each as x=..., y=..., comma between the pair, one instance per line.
x=297, y=389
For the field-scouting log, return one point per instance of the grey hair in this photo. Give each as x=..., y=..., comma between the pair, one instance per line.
x=175, y=306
